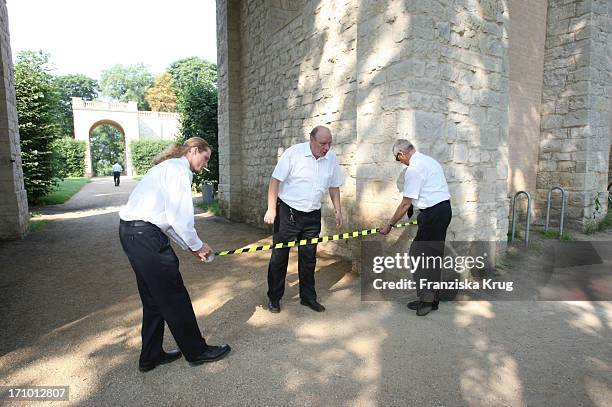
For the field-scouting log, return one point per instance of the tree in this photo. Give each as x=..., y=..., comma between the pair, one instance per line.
x=37, y=108
x=69, y=86
x=69, y=157
x=195, y=86
x=191, y=70
x=161, y=96
x=107, y=147
x=127, y=83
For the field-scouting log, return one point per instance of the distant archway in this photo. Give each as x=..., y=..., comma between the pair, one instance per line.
x=132, y=123
x=107, y=146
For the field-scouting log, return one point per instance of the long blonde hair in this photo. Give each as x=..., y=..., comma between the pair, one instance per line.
x=176, y=150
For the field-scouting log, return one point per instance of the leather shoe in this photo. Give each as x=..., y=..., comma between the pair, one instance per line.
x=166, y=357
x=413, y=305
x=211, y=354
x=274, y=306
x=424, y=308
x=313, y=305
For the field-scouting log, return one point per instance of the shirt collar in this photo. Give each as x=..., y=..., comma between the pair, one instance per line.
x=308, y=152
x=183, y=160
x=415, y=155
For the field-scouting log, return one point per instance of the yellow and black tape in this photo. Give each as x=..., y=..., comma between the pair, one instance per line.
x=314, y=240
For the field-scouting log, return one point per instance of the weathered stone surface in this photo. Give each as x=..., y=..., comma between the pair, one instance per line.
x=577, y=77
x=437, y=73
x=14, y=214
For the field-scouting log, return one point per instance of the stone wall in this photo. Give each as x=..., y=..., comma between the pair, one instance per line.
x=434, y=72
x=230, y=108
x=13, y=200
x=575, y=126
x=526, y=53
x=437, y=74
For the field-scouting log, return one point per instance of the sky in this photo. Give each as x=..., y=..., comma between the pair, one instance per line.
x=88, y=36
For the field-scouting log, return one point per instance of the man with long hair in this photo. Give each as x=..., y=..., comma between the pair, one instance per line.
x=161, y=206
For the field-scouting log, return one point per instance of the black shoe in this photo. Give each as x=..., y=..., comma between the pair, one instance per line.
x=413, y=305
x=313, y=305
x=425, y=308
x=166, y=357
x=211, y=354
x=274, y=306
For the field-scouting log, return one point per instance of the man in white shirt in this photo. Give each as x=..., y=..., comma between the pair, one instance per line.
x=302, y=175
x=160, y=206
x=425, y=188
x=117, y=168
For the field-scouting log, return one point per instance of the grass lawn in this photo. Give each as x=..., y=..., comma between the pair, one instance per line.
x=36, y=223
x=209, y=207
x=64, y=191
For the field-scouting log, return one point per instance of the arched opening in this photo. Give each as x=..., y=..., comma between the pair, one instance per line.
x=106, y=147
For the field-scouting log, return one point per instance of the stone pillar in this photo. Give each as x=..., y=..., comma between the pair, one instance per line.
x=436, y=74
x=13, y=199
x=575, y=139
x=230, y=108
x=527, y=35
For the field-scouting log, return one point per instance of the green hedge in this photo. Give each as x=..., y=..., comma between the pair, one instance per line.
x=69, y=157
x=144, y=151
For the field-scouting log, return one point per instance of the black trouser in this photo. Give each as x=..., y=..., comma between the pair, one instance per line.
x=429, y=242
x=289, y=225
x=116, y=176
x=163, y=295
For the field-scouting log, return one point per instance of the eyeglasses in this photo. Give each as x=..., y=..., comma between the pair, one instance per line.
x=397, y=156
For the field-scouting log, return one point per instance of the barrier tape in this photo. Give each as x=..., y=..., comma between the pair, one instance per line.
x=314, y=240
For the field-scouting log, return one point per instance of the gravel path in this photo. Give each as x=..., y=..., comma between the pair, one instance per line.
x=71, y=316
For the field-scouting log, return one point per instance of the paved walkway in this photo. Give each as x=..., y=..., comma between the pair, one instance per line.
x=71, y=316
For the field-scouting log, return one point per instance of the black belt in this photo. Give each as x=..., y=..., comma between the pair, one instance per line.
x=135, y=223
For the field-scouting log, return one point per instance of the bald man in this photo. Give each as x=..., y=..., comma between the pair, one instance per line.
x=302, y=175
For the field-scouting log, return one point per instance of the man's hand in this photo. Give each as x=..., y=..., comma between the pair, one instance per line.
x=384, y=229
x=270, y=216
x=203, y=253
x=338, y=219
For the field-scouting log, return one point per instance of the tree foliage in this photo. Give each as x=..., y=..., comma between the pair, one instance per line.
x=142, y=153
x=37, y=108
x=161, y=96
x=107, y=147
x=195, y=85
x=127, y=83
x=69, y=155
x=68, y=86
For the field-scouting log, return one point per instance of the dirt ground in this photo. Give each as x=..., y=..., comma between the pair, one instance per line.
x=71, y=316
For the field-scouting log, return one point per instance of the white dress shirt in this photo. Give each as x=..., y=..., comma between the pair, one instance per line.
x=163, y=197
x=424, y=182
x=117, y=167
x=304, y=179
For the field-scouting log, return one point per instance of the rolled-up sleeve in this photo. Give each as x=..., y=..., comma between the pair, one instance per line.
x=283, y=167
x=179, y=209
x=413, y=181
x=337, y=179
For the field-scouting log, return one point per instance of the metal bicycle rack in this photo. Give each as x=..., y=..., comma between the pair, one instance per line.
x=527, y=221
x=562, y=209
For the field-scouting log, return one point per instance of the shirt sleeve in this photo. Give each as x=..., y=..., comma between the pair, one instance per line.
x=179, y=209
x=413, y=181
x=283, y=167
x=337, y=178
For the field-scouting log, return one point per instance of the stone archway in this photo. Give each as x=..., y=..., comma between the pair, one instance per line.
x=133, y=124
x=115, y=125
